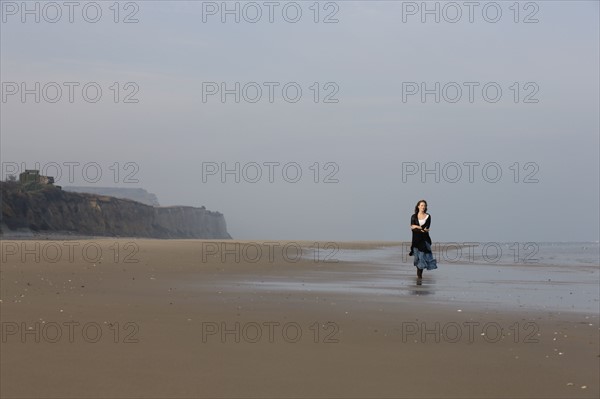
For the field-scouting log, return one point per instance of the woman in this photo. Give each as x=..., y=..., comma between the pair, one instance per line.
x=420, y=222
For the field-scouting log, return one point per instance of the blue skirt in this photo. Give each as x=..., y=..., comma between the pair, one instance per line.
x=424, y=260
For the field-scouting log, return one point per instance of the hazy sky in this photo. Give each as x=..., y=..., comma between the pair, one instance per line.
x=369, y=134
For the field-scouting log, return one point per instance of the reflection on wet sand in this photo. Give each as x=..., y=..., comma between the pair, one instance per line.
x=422, y=287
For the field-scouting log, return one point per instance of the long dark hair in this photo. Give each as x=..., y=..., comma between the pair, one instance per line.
x=417, y=206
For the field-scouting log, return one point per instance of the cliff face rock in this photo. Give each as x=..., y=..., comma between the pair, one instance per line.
x=135, y=194
x=53, y=210
x=179, y=219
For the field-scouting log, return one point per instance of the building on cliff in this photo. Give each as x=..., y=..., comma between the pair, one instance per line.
x=33, y=176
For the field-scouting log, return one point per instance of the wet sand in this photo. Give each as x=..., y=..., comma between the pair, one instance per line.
x=167, y=325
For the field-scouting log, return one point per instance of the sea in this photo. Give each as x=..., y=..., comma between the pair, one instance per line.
x=499, y=253
x=547, y=276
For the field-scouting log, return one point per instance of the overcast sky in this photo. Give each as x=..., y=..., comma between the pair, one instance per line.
x=360, y=147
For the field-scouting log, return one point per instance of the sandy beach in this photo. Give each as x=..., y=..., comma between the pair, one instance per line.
x=128, y=318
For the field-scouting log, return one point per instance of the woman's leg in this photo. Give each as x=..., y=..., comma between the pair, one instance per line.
x=418, y=262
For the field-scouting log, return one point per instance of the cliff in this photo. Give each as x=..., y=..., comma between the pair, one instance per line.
x=135, y=194
x=50, y=209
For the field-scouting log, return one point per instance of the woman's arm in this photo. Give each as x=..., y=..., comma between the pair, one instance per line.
x=414, y=223
x=427, y=224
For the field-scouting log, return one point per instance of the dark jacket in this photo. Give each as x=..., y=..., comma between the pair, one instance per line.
x=419, y=238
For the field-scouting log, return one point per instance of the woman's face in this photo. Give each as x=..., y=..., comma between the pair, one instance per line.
x=422, y=207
